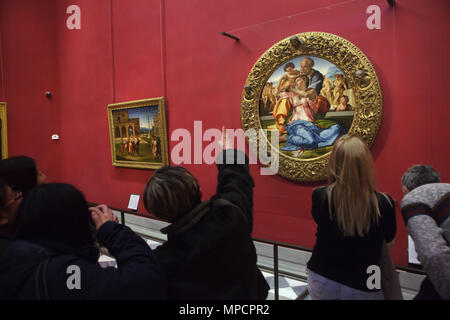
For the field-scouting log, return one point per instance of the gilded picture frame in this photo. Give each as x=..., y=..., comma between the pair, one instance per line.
x=3, y=131
x=138, y=134
x=302, y=115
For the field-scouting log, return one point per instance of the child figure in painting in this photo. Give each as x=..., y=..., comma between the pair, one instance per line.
x=287, y=81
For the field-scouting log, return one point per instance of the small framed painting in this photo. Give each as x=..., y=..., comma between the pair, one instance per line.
x=138, y=134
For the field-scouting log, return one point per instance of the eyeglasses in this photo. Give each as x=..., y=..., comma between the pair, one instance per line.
x=17, y=196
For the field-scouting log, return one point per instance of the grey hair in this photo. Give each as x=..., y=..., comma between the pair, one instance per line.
x=419, y=175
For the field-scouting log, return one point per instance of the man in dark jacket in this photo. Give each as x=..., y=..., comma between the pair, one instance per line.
x=53, y=256
x=209, y=253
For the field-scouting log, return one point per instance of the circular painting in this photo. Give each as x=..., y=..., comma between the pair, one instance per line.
x=310, y=89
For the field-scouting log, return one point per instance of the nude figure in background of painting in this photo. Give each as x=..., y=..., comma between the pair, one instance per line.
x=327, y=90
x=340, y=86
x=268, y=98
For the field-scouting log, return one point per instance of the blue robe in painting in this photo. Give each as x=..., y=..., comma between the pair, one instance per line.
x=303, y=134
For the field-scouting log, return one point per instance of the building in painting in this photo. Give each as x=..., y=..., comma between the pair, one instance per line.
x=124, y=127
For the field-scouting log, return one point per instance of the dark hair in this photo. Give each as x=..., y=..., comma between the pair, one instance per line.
x=57, y=213
x=289, y=64
x=419, y=175
x=171, y=192
x=20, y=173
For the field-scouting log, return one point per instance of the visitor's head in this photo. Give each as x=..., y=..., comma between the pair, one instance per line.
x=351, y=162
x=9, y=204
x=21, y=173
x=171, y=193
x=419, y=175
x=352, y=185
x=56, y=213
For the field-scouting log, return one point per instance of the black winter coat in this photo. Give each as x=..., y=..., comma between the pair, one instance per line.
x=138, y=276
x=210, y=253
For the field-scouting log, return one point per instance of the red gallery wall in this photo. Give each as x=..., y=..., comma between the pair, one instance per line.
x=137, y=49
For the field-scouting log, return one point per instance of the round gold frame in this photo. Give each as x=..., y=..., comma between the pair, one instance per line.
x=359, y=73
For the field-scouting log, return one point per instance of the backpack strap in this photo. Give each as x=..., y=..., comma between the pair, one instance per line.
x=41, y=280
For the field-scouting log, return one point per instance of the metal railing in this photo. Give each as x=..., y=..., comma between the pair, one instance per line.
x=275, y=245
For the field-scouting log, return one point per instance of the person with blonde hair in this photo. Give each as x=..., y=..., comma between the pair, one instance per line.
x=353, y=222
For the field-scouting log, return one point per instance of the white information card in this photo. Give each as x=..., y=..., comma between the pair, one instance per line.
x=134, y=201
x=412, y=254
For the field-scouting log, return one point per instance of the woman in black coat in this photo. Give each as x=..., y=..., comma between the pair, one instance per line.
x=53, y=255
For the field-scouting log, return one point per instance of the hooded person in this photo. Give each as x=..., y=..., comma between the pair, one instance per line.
x=209, y=253
x=53, y=254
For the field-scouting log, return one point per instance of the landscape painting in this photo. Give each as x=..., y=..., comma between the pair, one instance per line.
x=138, y=134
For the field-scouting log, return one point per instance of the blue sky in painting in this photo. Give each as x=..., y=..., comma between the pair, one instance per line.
x=143, y=113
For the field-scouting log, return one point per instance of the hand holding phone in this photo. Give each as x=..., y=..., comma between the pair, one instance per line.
x=101, y=214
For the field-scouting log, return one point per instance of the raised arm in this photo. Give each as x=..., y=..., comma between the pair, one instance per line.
x=235, y=183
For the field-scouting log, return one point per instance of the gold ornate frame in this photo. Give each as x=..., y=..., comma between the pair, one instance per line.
x=160, y=103
x=4, y=130
x=358, y=71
